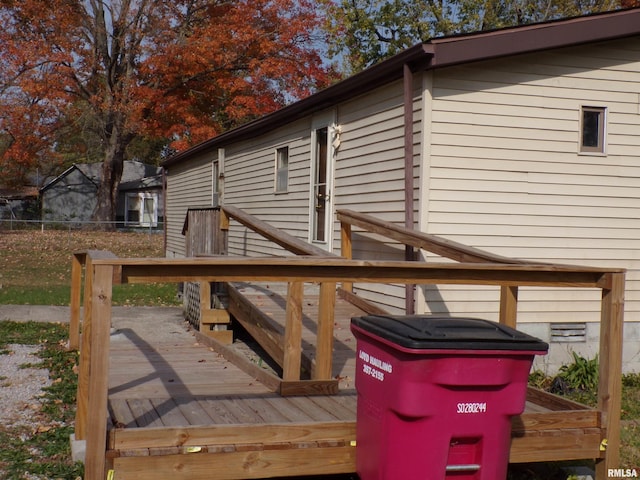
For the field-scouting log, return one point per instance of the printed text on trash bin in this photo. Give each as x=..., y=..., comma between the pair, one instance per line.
x=472, y=407
x=374, y=367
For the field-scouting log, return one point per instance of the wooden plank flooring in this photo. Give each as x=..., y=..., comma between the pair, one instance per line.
x=172, y=387
x=179, y=382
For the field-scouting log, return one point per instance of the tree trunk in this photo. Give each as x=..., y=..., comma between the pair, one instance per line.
x=112, y=168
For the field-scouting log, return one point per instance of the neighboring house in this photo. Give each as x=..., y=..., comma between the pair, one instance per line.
x=523, y=142
x=140, y=202
x=19, y=203
x=72, y=196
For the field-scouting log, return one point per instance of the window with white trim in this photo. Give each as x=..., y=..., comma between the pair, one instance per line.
x=282, y=170
x=592, y=129
x=141, y=209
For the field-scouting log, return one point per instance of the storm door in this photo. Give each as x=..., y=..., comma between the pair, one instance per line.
x=321, y=202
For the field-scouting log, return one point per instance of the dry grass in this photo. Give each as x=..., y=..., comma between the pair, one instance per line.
x=35, y=266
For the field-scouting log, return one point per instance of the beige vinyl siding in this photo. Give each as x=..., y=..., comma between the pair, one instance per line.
x=506, y=176
x=189, y=185
x=249, y=185
x=370, y=162
x=369, y=176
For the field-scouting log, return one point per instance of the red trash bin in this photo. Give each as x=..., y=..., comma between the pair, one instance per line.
x=436, y=396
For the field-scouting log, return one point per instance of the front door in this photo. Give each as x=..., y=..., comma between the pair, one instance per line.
x=321, y=194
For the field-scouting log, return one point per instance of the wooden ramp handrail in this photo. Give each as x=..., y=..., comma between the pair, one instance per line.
x=431, y=243
x=285, y=240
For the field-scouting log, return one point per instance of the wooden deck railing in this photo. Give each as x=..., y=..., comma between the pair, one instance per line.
x=476, y=267
x=102, y=269
x=610, y=352
x=433, y=244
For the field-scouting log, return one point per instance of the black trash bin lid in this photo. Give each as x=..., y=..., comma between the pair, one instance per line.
x=436, y=332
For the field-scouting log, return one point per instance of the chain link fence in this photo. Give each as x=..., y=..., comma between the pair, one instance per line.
x=8, y=224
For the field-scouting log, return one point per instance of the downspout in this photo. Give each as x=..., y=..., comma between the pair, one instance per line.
x=164, y=209
x=409, y=254
x=220, y=180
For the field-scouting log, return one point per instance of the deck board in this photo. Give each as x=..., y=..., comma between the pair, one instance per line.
x=193, y=412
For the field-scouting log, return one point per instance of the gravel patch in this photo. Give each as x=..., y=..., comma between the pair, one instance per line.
x=21, y=388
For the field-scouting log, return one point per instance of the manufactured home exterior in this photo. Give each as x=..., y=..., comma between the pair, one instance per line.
x=522, y=142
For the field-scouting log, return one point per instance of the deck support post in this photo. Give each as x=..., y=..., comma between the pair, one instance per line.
x=324, y=347
x=96, y=430
x=223, y=232
x=610, y=385
x=224, y=220
x=509, y=306
x=293, y=333
x=85, y=357
x=205, y=297
x=77, y=261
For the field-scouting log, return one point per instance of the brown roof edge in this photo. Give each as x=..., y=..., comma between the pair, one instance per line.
x=383, y=72
x=437, y=53
x=475, y=47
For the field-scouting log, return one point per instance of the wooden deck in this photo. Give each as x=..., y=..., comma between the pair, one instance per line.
x=186, y=409
x=181, y=397
x=179, y=406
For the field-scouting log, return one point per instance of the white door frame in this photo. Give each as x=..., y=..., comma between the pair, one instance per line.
x=321, y=191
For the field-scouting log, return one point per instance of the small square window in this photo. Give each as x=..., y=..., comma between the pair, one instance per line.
x=592, y=132
x=282, y=170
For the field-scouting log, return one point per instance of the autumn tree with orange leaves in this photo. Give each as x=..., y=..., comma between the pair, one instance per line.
x=122, y=70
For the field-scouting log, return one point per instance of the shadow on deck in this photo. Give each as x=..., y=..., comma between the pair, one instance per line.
x=178, y=406
x=180, y=397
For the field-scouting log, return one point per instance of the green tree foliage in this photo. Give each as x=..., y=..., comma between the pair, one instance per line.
x=363, y=32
